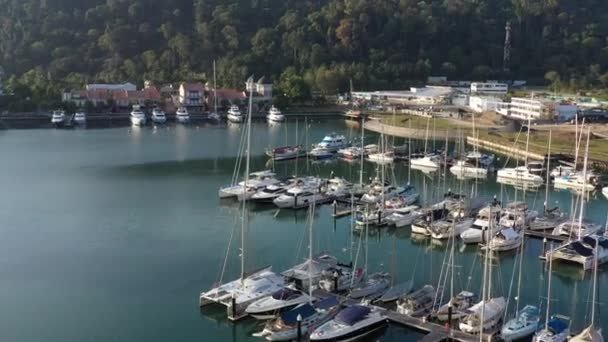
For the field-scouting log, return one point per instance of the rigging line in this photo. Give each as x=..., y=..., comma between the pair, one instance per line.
x=225, y=262
x=514, y=144
x=515, y=262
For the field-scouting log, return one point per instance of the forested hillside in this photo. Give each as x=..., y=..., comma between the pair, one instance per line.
x=50, y=44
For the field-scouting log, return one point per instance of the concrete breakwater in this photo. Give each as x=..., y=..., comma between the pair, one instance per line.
x=405, y=132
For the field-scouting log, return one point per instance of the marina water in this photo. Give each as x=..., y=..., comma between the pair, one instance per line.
x=110, y=234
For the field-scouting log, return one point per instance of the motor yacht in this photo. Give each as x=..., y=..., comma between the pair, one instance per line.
x=430, y=162
x=138, y=118
x=158, y=116
x=182, y=115
x=301, y=196
x=403, y=216
x=328, y=146
x=282, y=300
x=480, y=229
x=257, y=180
x=80, y=118
x=272, y=191
x=275, y=115
x=341, y=278
x=312, y=315
x=352, y=322
x=58, y=118
x=235, y=115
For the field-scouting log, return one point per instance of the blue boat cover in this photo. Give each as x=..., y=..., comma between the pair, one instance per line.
x=581, y=249
x=557, y=325
x=352, y=314
x=327, y=303
x=284, y=294
x=291, y=317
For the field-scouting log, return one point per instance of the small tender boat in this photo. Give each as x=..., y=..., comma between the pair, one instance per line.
x=459, y=304
x=523, y=325
x=281, y=300
x=58, y=118
x=275, y=115
x=137, y=116
x=493, y=311
x=374, y=285
x=285, y=152
x=418, y=303
x=80, y=118
x=158, y=116
x=234, y=114
x=557, y=330
x=351, y=323
x=182, y=115
x=285, y=327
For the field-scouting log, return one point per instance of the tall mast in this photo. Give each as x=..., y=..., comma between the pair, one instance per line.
x=546, y=204
x=409, y=153
x=362, y=152
x=247, y=157
x=549, y=290
x=312, y=215
x=426, y=135
x=298, y=153
x=484, y=279
x=584, y=191
x=521, y=259
x=593, y=296
x=214, y=90
x=527, y=142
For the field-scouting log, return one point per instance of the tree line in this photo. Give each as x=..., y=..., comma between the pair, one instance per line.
x=302, y=45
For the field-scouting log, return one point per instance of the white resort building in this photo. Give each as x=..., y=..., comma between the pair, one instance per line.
x=490, y=88
x=524, y=109
x=480, y=104
x=429, y=95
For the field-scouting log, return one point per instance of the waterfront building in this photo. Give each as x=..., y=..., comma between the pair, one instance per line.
x=491, y=88
x=192, y=96
x=523, y=109
x=262, y=91
x=481, y=104
x=429, y=95
x=100, y=95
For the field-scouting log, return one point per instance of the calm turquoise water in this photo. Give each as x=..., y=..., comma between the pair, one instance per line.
x=110, y=234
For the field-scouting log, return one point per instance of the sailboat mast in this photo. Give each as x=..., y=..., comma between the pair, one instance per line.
x=521, y=259
x=362, y=151
x=546, y=204
x=312, y=215
x=244, y=214
x=527, y=142
x=298, y=153
x=584, y=191
x=593, y=296
x=426, y=134
x=409, y=154
x=549, y=290
x=214, y=90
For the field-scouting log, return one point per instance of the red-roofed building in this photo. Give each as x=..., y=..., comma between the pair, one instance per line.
x=120, y=97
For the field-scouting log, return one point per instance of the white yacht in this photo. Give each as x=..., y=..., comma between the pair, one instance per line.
x=382, y=158
x=80, y=118
x=328, y=146
x=425, y=219
x=282, y=300
x=429, y=162
x=460, y=303
x=345, y=277
x=523, y=325
x=492, y=310
x=238, y=294
x=301, y=196
x=138, y=117
x=285, y=327
x=158, y=116
x=480, y=159
x=453, y=225
x=586, y=251
x=58, y=118
x=519, y=174
x=374, y=285
x=517, y=215
x=575, y=181
x=182, y=115
x=506, y=239
x=272, y=191
x=403, y=216
x=480, y=229
x=464, y=169
x=349, y=324
x=235, y=115
x=576, y=230
x=275, y=115
x=258, y=179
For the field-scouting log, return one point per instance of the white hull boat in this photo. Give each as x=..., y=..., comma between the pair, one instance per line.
x=583, y=251
x=80, y=118
x=428, y=162
x=403, y=217
x=574, y=181
x=182, y=115
x=350, y=324
x=506, y=239
x=275, y=115
x=574, y=230
x=158, y=116
x=519, y=174
x=58, y=118
x=137, y=116
x=345, y=278
x=460, y=304
x=442, y=230
x=285, y=152
x=493, y=311
x=382, y=158
x=605, y=191
x=523, y=325
x=282, y=300
x=373, y=286
x=557, y=330
x=464, y=169
x=234, y=114
x=417, y=303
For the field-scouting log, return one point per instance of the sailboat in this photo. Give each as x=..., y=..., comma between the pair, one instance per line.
x=487, y=313
x=592, y=332
x=465, y=169
x=429, y=162
x=214, y=116
x=557, y=327
x=526, y=321
x=238, y=294
x=520, y=174
x=372, y=285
